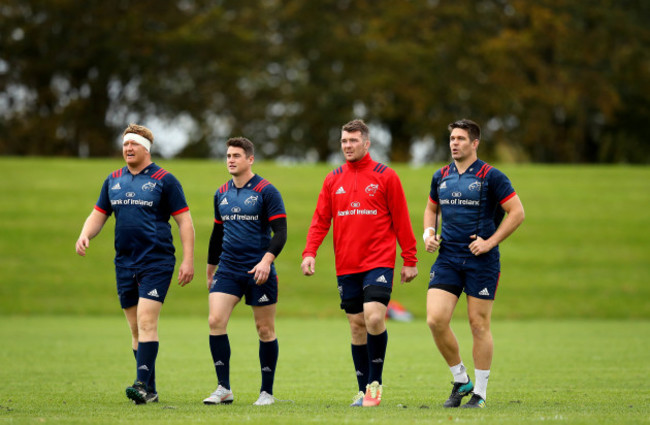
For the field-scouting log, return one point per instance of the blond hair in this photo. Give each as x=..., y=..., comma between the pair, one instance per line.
x=140, y=130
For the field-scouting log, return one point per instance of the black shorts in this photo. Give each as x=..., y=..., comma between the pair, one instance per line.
x=135, y=283
x=476, y=276
x=242, y=284
x=359, y=288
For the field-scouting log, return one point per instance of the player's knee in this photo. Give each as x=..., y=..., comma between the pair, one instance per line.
x=432, y=323
x=479, y=325
x=375, y=320
x=265, y=331
x=437, y=323
x=147, y=328
x=217, y=324
x=134, y=330
x=358, y=330
x=358, y=327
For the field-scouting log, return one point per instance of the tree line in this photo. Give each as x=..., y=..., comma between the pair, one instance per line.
x=548, y=80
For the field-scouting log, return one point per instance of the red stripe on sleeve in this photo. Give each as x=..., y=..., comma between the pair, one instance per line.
x=432, y=201
x=277, y=216
x=261, y=185
x=480, y=172
x=217, y=221
x=101, y=210
x=158, y=175
x=507, y=197
x=182, y=210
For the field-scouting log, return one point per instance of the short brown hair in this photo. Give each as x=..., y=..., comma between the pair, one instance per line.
x=139, y=130
x=244, y=143
x=473, y=129
x=357, y=125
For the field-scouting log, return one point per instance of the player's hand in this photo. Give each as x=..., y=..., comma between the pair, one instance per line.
x=432, y=243
x=408, y=273
x=480, y=245
x=81, y=245
x=260, y=272
x=185, y=273
x=210, y=270
x=308, y=266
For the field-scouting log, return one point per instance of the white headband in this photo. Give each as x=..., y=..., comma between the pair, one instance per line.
x=138, y=139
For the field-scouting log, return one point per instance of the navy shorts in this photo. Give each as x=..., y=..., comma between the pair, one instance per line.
x=358, y=288
x=476, y=276
x=242, y=284
x=135, y=283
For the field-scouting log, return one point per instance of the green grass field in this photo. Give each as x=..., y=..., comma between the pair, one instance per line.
x=74, y=370
x=582, y=251
x=572, y=316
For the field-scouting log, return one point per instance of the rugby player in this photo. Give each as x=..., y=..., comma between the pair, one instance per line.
x=247, y=209
x=471, y=197
x=143, y=196
x=365, y=202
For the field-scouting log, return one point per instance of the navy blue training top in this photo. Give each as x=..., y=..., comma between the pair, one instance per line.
x=246, y=214
x=470, y=204
x=143, y=204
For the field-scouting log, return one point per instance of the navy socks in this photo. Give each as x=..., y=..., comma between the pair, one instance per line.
x=376, y=353
x=360, y=360
x=146, y=360
x=152, y=379
x=220, y=349
x=269, y=352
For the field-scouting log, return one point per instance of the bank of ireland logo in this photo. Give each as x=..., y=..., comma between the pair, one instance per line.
x=371, y=189
x=235, y=209
x=130, y=194
x=456, y=194
x=251, y=200
x=355, y=204
x=475, y=186
x=149, y=186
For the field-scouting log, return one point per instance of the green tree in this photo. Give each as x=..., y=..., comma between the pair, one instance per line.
x=74, y=76
x=565, y=65
x=549, y=80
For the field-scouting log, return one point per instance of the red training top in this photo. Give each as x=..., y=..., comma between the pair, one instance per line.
x=366, y=201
